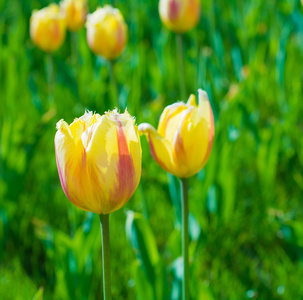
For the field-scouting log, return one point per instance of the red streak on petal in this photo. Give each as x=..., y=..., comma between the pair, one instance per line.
x=126, y=170
x=84, y=158
x=120, y=39
x=56, y=30
x=173, y=10
x=153, y=153
x=179, y=146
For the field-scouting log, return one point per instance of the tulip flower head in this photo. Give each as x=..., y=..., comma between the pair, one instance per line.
x=180, y=15
x=183, y=142
x=75, y=13
x=47, y=28
x=106, y=32
x=99, y=160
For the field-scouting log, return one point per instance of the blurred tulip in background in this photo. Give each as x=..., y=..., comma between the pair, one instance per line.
x=180, y=15
x=75, y=12
x=106, y=32
x=47, y=28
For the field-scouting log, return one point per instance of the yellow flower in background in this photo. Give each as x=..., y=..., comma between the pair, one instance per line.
x=99, y=160
x=183, y=142
x=106, y=32
x=75, y=13
x=180, y=15
x=47, y=28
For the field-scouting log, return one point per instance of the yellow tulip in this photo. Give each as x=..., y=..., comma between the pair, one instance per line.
x=47, y=28
x=75, y=13
x=99, y=160
x=183, y=142
x=180, y=15
x=106, y=32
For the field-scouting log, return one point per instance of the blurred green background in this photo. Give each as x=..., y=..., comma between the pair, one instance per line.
x=246, y=223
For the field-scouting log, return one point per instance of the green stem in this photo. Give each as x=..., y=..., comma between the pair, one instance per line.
x=114, y=84
x=75, y=49
x=179, y=40
x=185, y=238
x=50, y=77
x=104, y=220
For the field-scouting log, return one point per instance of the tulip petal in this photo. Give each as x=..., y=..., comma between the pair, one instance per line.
x=169, y=120
x=68, y=156
x=191, y=100
x=184, y=135
x=209, y=117
x=203, y=129
x=159, y=146
x=113, y=170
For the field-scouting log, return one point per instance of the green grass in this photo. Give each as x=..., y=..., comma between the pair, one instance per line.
x=246, y=205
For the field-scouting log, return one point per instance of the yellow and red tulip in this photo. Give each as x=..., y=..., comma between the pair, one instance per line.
x=99, y=160
x=180, y=15
x=75, y=12
x=47, y=28
x=183, y=142
x=106, y=32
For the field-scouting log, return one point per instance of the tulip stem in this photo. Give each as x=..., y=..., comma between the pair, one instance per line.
x=185, y=238
x=75, y=48
x=104, y=220
x=179, y=40
x=50, y=77
x=114, y=84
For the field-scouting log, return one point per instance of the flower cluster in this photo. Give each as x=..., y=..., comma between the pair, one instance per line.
x=106, y=28
x=99, y=157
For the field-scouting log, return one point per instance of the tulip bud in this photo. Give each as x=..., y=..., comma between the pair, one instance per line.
x=182, y=144
x=180, y=15
x=75, y=13
x=47, y=28
x=106, y=32
x=99, y=160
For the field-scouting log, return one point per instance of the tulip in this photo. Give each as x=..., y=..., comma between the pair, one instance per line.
x=180, y=15
x=183, y=141
x=181, y=146
x=99, y=160
x=106, y=32
x=47, y=28
x=75, y=13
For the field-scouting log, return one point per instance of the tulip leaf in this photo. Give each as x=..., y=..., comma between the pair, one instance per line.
x=39, y=294
x=212, y=204
x=34, y=93
x=144, y=289
x=176, y=269
x=143, y=242
x=237, y=62
x=193, y=227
